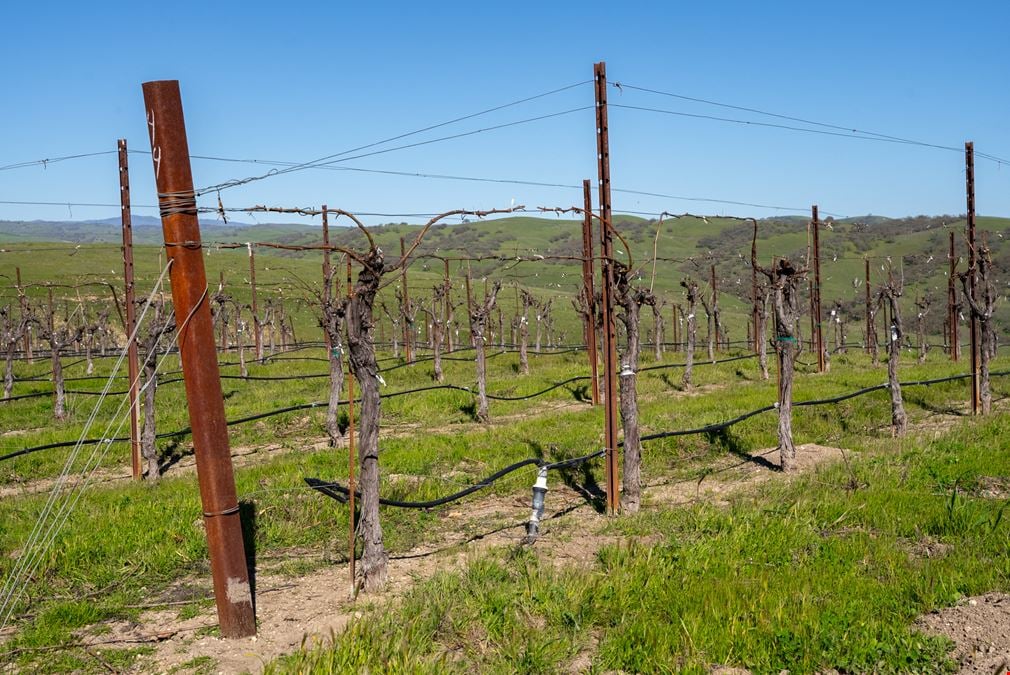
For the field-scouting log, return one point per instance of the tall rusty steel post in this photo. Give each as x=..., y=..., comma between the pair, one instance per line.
x=714, y=282
x=132, y=357
x=351, y=527
x=407, y=336
x=177, y=201
x=469, y=303
x=224, y=324
x=254, y=305
x=755, y=291
x=869, y=322
x=327, y=274
x=447, y=306
x=23, y=301
x=607, y=258
x=676, y=327
x=816, y=295
x=952, y=332
x=969, y=175
x=587, y=285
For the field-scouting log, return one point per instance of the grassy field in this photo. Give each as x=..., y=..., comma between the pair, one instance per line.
x=771, y=567
x=817, y=573
x=687, y=246
x=827, y=572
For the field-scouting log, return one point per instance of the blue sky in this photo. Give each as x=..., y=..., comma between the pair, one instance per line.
x=296, y=81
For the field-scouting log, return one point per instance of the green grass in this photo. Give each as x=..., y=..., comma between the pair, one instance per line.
x=152, y=547
x=805, y=576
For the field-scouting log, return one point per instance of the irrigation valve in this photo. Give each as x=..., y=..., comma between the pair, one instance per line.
x=539, y=496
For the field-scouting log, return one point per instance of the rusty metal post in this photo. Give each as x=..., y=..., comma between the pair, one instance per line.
x=350, y=451
x=607, y=256
x=676, y=328
x=715, y=303
x=817, y=336
x=869, y=323
x=254, y=306
x=406, y=307
x=469, y=296
x=587, y=285
x=23, y=301
x=447, y=307
x=969, y=175
x=952, y=336
x=177, y=200
x=754, y=293
x=469, y=303
x=224, y=324
x=327, y=288
x=132, y=358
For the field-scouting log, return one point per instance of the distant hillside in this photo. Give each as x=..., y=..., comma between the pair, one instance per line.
x=915, y=247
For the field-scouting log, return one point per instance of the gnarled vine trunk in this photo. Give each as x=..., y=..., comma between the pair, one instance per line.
x=361, y=351
x=786, y=307
x=657, y=330
x=984, y=312
x=524, y=333
x=630, y=301
x=899, y=420
x=692, y=328
x=920, y=325
x=333, y=325
x=478, y=328
x=760, y=337
x=158, y=326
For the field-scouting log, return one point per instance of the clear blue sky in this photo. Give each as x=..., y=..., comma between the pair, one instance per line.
x=296, y=81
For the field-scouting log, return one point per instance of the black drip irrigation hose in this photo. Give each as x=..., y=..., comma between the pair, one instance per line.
x=719, y=426
x=340, y=493
x=277, y=357
x=665, y=434
x=280, y=378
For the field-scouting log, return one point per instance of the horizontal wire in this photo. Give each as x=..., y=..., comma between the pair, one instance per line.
x=472, y=132
x=54, y=160
x=344, y=153
x=730, y=120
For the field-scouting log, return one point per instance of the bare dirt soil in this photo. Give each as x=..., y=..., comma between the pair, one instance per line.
x=980, y=629
x=308, y=609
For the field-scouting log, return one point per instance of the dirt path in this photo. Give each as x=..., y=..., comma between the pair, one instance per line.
x=980, y=629
x=310, y=608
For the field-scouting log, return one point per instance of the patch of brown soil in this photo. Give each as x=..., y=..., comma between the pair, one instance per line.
x=310, y=608
x=980, y=629
x=992, y=487
x=927, y=547
x=731, y=477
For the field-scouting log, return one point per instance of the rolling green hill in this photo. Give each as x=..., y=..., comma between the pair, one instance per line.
x=914, y=247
